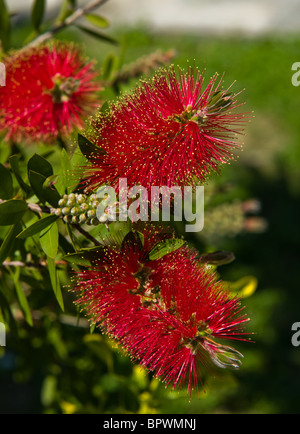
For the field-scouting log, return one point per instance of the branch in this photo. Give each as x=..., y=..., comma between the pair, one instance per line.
x=87, y=235
x=78, y=13
x=39, y=264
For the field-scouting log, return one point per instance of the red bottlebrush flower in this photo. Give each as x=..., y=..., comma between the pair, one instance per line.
x=168, y=313
x=48, y=91
x=168, y=132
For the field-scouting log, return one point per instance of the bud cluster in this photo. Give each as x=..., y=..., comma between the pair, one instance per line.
x=77, y=208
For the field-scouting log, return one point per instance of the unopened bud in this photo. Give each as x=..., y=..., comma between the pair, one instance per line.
x=65, y=210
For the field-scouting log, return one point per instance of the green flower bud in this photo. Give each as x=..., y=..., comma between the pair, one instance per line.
x=65, y=210
x=93, y=197
x=74, y=220
x=84, y=207
x=95, y=204
x=61, y=202
x=82, y=218
x=81, y=198
x=103, y=218
x=75, y=211
x=91, y=213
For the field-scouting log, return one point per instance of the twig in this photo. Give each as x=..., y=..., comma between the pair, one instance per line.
x=78, y=13
x=39, y=264
x=34, y=207
x=87, y=235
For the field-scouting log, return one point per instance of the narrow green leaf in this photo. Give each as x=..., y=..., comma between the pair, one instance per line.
x=98, y=35
x=37, y=13
x=165, y=247
x=22, y=297
x=65, y=180
x=88, y=148
x=133, y=237
x=49, y=240
x=8, y=316
x=104, y=107
x=5, y=150
x=243, y=287
x=218, y=258
x=108, y=66
x=5, y=27
x=65, y=10
x=38, y=226
x=55, y=282
x=84, y=257
x=40, y=165
x=12, y=211
x=9, y=241
x=97, y=20
x=77, y=259
x=45, y=194
x=6, y=183
x=14, y=164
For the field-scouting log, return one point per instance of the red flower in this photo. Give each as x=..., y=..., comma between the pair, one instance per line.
x=168, y=313
x=168, y=132
x=48, y=91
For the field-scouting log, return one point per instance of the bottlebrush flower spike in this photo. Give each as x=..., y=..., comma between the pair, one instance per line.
x=169, y=131
x=49, y=89
x=168, y=313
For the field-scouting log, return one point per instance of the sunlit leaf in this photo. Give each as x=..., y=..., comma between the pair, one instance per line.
x=244, y=287
x=37, y=226
x=97, y=20
x=49, y=240
x=165, y=247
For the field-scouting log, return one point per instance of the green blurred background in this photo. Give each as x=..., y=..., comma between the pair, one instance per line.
x=58, y=366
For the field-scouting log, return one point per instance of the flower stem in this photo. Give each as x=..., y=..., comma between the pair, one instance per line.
x=78, y=13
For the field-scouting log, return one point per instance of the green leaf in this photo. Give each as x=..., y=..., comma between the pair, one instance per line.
x=55, y=282
x=107, y=68
x=84, y=257
x=65, y=10
x=98, y=35
x=218, y=258
x=37, y=13
x=9, y=241
x=49, y=240
x=133, y=237
x=14, y=164
x=45, y=194
x=40, y=165
x=12, y=211
x=8, y=316
x=165, y=247
x=97, y=20
x=243, y=287
x=5, y=27
x=38, y=226
x=21, y=296
x=6, y=183
x=104, y=108
x=65, y=182
x=88, y=148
